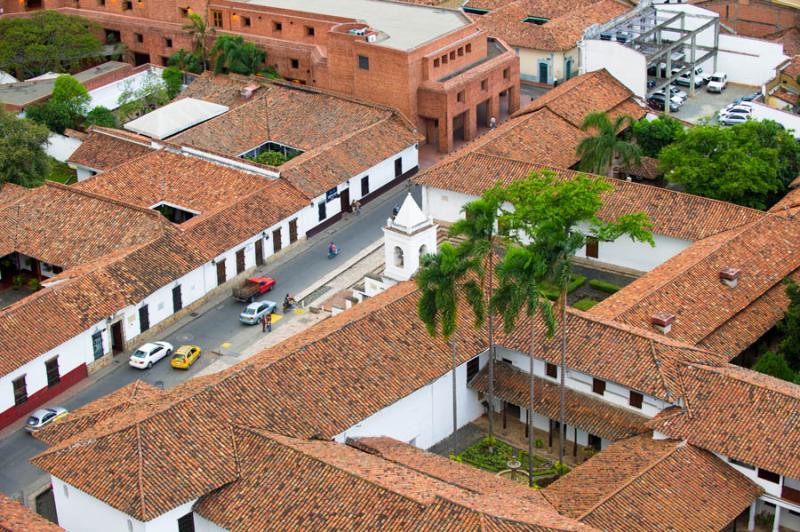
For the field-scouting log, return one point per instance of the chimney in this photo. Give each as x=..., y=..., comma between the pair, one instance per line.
x=662, y=321
x=730, y=276
x=249, y=90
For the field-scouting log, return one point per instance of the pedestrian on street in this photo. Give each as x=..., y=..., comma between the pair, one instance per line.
x=264, y=323
x=269, y=322
x=492, y=123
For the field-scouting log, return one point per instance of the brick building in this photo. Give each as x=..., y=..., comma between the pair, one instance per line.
x=755, y=18
x=442, y=71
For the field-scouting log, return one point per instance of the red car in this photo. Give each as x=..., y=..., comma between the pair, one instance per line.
x=253, y=287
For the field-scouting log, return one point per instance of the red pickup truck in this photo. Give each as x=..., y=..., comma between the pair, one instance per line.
x=252, y=287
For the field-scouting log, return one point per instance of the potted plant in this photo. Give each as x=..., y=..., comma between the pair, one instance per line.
x=17, y=281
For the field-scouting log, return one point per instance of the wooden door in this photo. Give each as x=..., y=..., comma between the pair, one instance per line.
x=292, y=231
x=117, y=341
x=276, y=240
x=259, y=252
x=221, y=274
x=239, y=261
x=344, y=197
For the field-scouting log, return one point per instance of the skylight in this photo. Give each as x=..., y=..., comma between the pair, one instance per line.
x=535, y=20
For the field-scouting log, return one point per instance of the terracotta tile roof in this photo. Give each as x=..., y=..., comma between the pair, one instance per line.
x=790, y=38
x=635, y=358
x=329, y=486
x=567, y=20
x=646, y=169
x=162, y=457
x=593, y=415
x=104, y=149
x=89, y=415
x=67, y=227
x=220, y=89
x=646, y=484
x=488, y=5
x=594, y=91
x=793, y=68
x=15, y=517
x=738, y=413
x=342, y=138
x=688, y=285
x=11, y=193
x=789, y=97
x=673, y=214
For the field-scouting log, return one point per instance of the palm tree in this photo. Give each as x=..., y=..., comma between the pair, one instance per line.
x=598, y=153
x=559, y=216
x=200, y=31
x=520, y=275
x=233, y=54
x=442, y=278
x=479, y=226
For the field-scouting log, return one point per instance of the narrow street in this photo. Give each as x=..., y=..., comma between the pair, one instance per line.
x=215, y=328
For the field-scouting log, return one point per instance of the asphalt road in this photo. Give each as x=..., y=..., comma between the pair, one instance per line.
x=217, y=329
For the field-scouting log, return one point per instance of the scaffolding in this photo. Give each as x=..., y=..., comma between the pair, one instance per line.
x=662, y=37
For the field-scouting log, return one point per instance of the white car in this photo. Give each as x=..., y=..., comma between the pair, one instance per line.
x=733, y=119
x=149, y=354
x=737, y=109
x=717, y=82
x=44, y=416
x=685, y=79
x=678, y=96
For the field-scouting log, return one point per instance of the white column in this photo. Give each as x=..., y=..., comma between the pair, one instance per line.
x=776, y=524
x=751, y=520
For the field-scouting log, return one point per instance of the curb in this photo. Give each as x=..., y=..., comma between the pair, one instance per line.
x=365, y=252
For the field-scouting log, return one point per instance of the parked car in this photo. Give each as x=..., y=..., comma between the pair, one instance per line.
x=253, y=312
x=733, y=119
x=717, y=82
x=740, y=108
x=685, y=79
x=44, y=416
x=747, y=98
x=676, y=93
x=185, y=356
x=149, y=354
x=252, y=287
x=656, y=101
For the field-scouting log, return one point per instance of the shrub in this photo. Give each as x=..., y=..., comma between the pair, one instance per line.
x=34, y=284
x=585, y=304
x=538, y=444
x=173, y=79
x=561, y=469
x=103, y=117
x=17, y=281
x=551, y=292
x=605, y=286
x=478, y=455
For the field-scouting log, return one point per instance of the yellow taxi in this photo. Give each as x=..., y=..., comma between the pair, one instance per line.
x=185, y=356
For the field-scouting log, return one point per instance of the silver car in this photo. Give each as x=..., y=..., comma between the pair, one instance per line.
x=254, y=311
x=44, y=416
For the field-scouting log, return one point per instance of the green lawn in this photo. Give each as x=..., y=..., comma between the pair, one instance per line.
x=478, y=455
x=61, y=173
x=585, y=304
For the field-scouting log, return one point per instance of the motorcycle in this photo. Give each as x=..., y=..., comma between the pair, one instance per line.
x=289, y=305
x=332, y=253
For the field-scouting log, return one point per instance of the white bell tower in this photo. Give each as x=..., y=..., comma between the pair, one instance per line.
x=405, y=239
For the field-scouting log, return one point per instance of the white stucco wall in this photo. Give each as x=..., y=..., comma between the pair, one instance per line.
x=60, y=147
x=790, y=121
x=529, y=60
x=625, y=64
x=424, y=417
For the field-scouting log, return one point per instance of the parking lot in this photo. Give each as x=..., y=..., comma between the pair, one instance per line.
x=705, y=105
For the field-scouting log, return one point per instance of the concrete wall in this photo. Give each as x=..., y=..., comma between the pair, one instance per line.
x=60, y=147
x=529, y=60
x=628, y=66
x=790, y=121
x=748, y=61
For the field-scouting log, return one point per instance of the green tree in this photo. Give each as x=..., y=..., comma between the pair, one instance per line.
x=271, y=158
x=47, y=41
x=520, y=275
x=186, y=61
x=442, y=278
x=789, y=327
x=173, y=81
x=479, y=229
x=66, y=107
x=200, y=31
x=22, y=157
x=53, y=115
x=559, y=215
x=652, y=135
x=148, y=96
x=599, y=153
x=774, y=364
x=749, y=164
x=233, y=55
x=102, y=116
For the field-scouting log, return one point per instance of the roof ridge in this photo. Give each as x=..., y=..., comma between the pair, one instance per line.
x=658, y=366
x=140, y=471
x=748, y=371
x=632, y=479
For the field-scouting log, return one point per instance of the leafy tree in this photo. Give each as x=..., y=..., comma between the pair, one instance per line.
x=558, y=216
x=774, y=364
x=789, y=327
x=233, y=54
x=749, y=164
x=186, y=61
x=520, y=275
x=652, y=135
x=479, y=227
x=173, y=80
x=47, y=41
x=102, y=116
x=22, y=157
x=271, y=158
x=200, y=31
x=442, y=278
x=598, y=153
x=135, y=101
x=66, y=107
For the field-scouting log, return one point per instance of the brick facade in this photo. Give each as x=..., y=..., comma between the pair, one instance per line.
x=753, y=18
x=445, y=86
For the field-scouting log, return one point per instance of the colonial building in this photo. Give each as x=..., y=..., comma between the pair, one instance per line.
x=442, y=72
